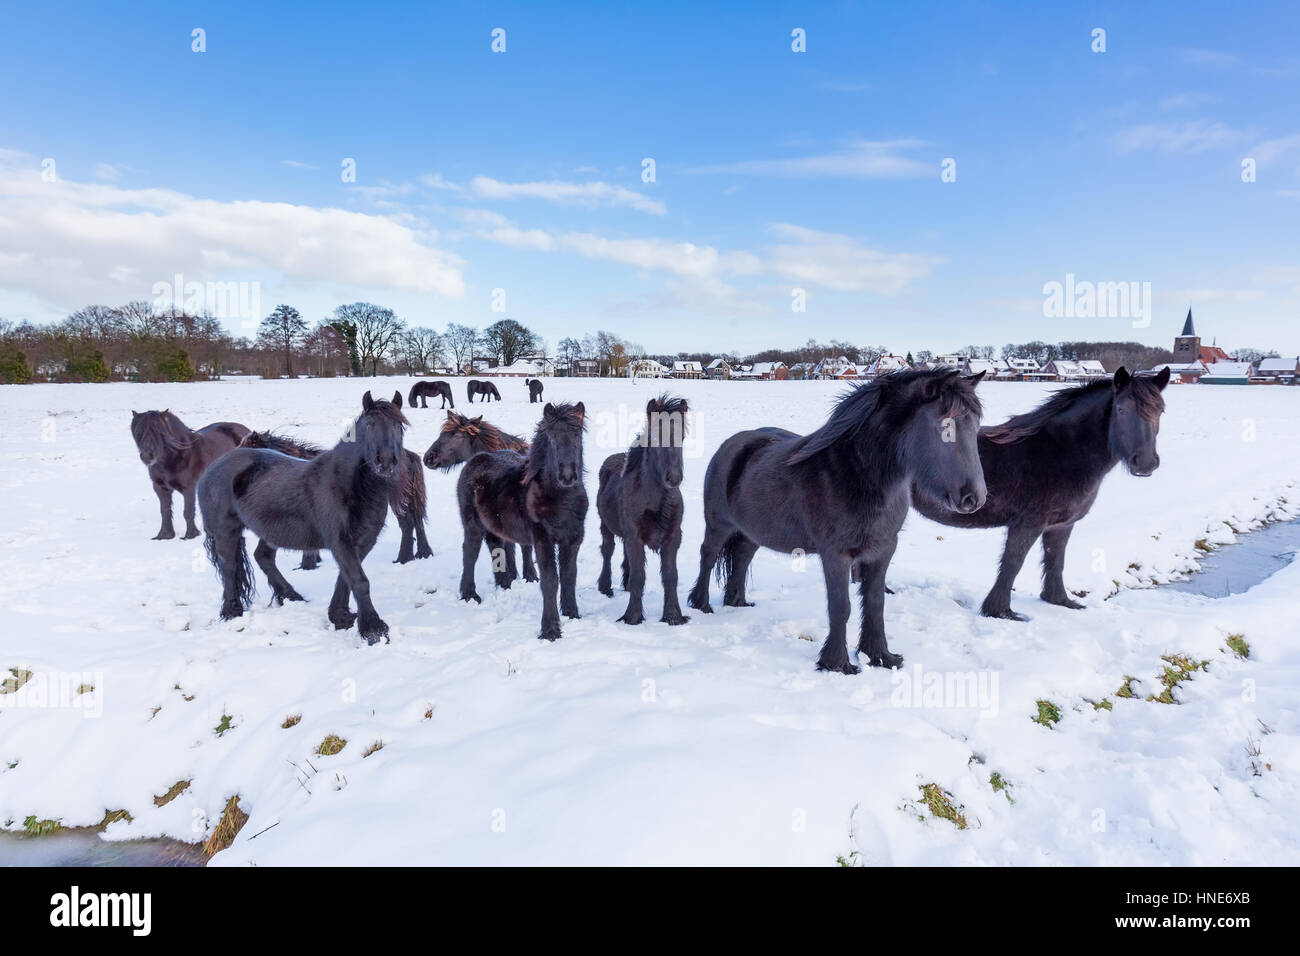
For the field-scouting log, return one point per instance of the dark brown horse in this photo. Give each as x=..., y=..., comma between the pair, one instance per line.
x=534, y=390
x=1044, y=469
x=407, y=496
x=177, y=457
x=640, y=501
x=482, y=387
x=424, y=390
x=538, y=500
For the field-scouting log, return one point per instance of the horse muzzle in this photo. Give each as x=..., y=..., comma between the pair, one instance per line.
x=967, y=500
x=1143, y=467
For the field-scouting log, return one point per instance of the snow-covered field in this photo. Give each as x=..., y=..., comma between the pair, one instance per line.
x=716, y=742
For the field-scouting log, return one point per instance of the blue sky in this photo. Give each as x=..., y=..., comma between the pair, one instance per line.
x=775, y=170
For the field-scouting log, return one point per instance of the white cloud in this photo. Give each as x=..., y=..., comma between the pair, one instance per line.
x=296, y=164
x=437, y=181
x=70, y=243
x=1194, y=136
x=842, y=263
x=569, y=194
x=106, y=172
x=862, y=159
x=1271, y=150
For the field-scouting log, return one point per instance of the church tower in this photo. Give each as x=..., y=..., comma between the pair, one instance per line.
x=1187, y=347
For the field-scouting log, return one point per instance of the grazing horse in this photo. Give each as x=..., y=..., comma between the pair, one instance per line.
x=176, y=457
x=408, y=498
x=1044, y=468
x=534, y=390
x=538, y=499
x=484, y=388
x=842, y=492
x=422, y=391
x=337, y=500
x=640, y=501
x=460, y=440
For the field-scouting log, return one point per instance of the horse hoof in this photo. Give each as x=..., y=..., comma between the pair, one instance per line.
x=607, y=591
x=342, y=622
x=231, y=612
x=630, y=618
x=164, y=536
x=1065, y=602
x=572, y=615
x=674, y=620
x=885, y=659
x=1004, y=614
x=530, y=578
x=373, y=633
x=846, y=667
x=550, y=634
x=425, y=553
x=471, y=596
x=189, y=535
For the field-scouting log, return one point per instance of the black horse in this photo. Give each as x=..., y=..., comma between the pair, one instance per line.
x=337, y=500
x=423, y=390
x=842, y=492
x=538, y=500
x=460, y=440
x=484, y=388
x=640, y=501
x=408, y=499
x=1044, y=468
x=176, y=457
x=534, y=390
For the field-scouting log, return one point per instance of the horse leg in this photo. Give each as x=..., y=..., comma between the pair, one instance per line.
x=872, y=589
x=530, y=571
x=604, y=584
x=503, y=561
x=835, y=653
x=545, y=550
x=1054, y=542
x=742, y=553
x=1020, y=538
x=668, y=574
x=191, y=529
x=714, y=538
x=165, y=507
x=348, y=557
x=339, y=615
x=422, y=549
x=406, y=551
x=281, y=589
x=310, y=561
x=634, y=555
x=469, y=555
x=225, y=546
x=568, y=560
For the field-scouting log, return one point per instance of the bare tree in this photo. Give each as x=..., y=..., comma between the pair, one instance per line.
x=283, y=330
x=376, y=326
x=508, y=340
x=460, y=341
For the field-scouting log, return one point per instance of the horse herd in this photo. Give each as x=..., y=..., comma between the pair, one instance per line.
x=911, y=439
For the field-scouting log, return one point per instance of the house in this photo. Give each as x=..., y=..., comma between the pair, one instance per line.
x=830, y=368
x=645, y=368
x=1283, y=370
x=719, y=370
x=1072, y=370
x=482, y=363
x=886, y=364
x=743, y=373
x=1227, y=373
x=531, y=367
x=687, y=370
x=949, y=361
x=584, y=368
x=992, y=368
x=1025, y=370
x=852, y=373
x=770, y=371
x=1183, y=373
x=802, y=370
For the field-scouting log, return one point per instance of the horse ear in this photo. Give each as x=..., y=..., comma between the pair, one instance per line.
x=478, y=420
x=976, y=379
x=548, y=411
x=397, y=399
x=1162, y=378
x=1122, y=377
x=582, y=410
x=652, y=406
x=134, y=414
x=367, y=402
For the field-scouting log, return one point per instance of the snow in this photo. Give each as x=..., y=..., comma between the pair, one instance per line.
x=712, y=743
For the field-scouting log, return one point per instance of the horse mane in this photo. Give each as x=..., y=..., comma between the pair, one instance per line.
x=282, y=443
x=1019, y=427
x=563, y=415
x=387, y=410
x=161, y=428
x=667, y=405
x=491, y=437
x=886, y=392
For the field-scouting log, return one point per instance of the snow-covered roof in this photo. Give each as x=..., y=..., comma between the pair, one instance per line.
x=718, y=363
x=686, y=366
x=1279, y=364
x=1228, y=370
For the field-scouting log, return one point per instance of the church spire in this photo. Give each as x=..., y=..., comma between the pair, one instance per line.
x=1187, y=326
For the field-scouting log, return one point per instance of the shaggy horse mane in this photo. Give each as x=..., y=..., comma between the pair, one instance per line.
x=1146, y=392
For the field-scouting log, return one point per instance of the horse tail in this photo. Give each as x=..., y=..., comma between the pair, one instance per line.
x=416, y=497
x=247, y=584
x=726, y=562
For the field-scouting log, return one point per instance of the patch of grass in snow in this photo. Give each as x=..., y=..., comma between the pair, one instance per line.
x=1203, y=546
x=1237, y=644
x=377, y=745
x=1126, y=688
x=33, y=827
x=854, y=858
x=232, y=821
x=19, y=676
x=291, y=721
x=174, y=791
x=86, y=689
x=331, y=745
x=111, y=817
x=1048, y=713
x=939, y=802
x=1180, y=668
x=1103, y=704
x=1000, y=785
x=224, y=726
x=428, y=714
